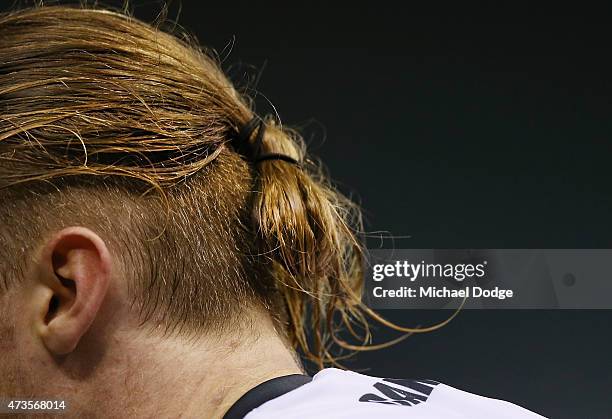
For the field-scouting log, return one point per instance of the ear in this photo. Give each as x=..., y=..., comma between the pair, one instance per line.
x=73, y=276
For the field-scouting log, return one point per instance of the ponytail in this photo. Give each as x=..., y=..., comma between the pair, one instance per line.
x=308, y=232
x=309, y=236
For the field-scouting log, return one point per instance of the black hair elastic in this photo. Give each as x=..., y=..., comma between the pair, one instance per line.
x=253, y=150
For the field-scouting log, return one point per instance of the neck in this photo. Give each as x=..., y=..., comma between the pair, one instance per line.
x=168, y=377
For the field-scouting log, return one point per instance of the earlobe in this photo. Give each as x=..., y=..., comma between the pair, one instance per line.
x=73, y=276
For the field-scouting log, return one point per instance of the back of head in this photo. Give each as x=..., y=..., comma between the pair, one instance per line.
x=112, y=124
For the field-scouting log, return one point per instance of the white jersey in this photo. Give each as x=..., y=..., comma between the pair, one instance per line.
x=337, y=394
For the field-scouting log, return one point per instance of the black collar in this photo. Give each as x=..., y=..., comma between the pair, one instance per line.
x=265, y=392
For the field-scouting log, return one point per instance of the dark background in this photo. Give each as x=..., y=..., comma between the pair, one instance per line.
x=479, y=130
x=487, y=128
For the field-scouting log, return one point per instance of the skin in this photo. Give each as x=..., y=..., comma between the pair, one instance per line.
x=67, y=333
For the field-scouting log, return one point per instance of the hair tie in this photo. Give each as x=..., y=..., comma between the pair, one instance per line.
x=253, y=150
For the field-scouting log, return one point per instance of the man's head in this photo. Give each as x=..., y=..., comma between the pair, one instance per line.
x=129, y=210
